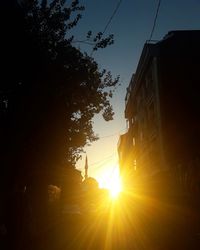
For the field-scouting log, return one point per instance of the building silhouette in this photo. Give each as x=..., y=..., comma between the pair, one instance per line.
x=162, y=109
x=86, y=168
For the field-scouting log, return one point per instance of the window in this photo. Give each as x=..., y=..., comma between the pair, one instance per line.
x=141, y=135
x=135, y=164
x=151, y=117
x=149, y=83
x=133, y=141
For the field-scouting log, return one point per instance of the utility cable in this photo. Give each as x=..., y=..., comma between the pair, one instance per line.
x=103, y=160
x=110, y=20
x=155, y=19
x=106, y=26
x=107, y=136
x=112, y=16
x=103, y=164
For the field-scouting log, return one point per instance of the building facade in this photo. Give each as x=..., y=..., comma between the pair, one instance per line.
x=162, y=108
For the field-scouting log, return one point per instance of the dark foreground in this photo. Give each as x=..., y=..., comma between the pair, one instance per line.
x=140, y=223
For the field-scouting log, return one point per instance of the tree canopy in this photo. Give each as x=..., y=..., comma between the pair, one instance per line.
x=52, y=90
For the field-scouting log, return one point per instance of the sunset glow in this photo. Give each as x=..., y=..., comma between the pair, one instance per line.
x=115, y=187
x=110, y=179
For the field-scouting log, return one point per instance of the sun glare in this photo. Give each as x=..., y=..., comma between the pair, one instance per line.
x=110, y=179
x=115, y=188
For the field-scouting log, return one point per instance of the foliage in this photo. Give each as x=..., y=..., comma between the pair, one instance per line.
x=58, y=89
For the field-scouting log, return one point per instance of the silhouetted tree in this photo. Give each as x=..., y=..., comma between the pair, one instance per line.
x=76, y=87
x=52, y=90
x=49, y=93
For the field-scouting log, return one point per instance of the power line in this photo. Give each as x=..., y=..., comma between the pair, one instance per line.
x=101, y=162
x=107, y=24
x=84, y=41
x=111, y=135
x=155, y=19
x=110, y=20
x=112, y=16
x=108, y=136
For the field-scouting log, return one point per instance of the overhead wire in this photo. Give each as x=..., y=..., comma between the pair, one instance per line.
x=112, y=16
x=103, y=164
x=102, y=161
x=155, y=19
x=105, y=28
x=111, y=135
x=108, y=136
x=109, y=20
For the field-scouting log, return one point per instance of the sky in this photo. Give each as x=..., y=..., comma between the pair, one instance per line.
x=131, y=26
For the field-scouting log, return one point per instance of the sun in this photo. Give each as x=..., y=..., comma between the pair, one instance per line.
x=110, y=179
x=115, y=187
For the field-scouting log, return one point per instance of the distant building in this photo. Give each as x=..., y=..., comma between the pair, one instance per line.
x=162, y=108
x=86, y=167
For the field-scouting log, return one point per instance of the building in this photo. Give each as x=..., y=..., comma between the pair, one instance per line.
x=162, y=109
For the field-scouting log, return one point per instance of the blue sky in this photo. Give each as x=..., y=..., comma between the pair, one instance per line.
x=131, y=27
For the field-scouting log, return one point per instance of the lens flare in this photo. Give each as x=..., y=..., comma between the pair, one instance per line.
x=115, y=187
x=110, y=179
